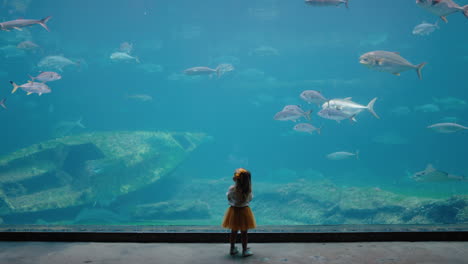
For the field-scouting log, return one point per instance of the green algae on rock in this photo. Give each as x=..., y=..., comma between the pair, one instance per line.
x=88, y=168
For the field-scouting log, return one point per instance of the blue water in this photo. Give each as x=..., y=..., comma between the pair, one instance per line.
x=318, y=49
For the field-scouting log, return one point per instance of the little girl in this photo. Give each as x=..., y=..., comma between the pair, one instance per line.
x=239, y=216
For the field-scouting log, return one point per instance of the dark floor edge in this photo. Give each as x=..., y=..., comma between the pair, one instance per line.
x=223, y=237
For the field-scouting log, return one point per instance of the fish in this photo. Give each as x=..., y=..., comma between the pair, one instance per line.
x=335, y=114
x=327, y=2
x=430, y=174
x=427, y=108
x=424, y=29
x=18, y=24
x=349, y=107
x=27, y=45
x=141, y=97
x=341, y=155
x=451, y=103
x=126, y=47
x=46, y=77
x=201, y=70
x=56, y=62
x=447, y=127
x=122, y=56
x=32, y=87
x=293, y=115
x=298, y=109
x=306, y=127
x=65, y=128
x=2, y=103
x=442, y=8
x=391, y=62
x=311, y=96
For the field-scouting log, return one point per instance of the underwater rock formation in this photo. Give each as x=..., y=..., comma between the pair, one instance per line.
x=175, y=209
x=93, y=168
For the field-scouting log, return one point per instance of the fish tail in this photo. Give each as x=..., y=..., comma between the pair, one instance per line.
x=32, y=78
x=465, y=11
x=43, y=22
x=419, y=68
x=357, y=154
x=2, y=103
x=319, y=130
x=218, y=71
x=137, y=60
x=346, y=3
x=307, y=114
x=78, y=123
x=15, y=87
x=370, y=107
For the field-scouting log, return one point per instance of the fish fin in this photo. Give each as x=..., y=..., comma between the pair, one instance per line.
x=2, y=103
x=137, y=60
x=396, y=73
x=29, y=93
x=32, y=78
x=429, y=167
x=465, y=11
x=78, y=123
x=43, y=22
x=357, y=154
x=18, y=28
x=15, y=87
x=353, y=119
x=419, y=68
x=370, y=107
x=444, y=19
x=40, y=94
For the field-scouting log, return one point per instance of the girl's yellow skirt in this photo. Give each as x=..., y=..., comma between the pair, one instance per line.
x=239, y=218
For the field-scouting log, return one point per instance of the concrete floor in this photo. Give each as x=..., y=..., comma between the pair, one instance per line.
x=321, y=253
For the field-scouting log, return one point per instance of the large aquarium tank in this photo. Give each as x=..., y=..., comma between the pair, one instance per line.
x=138, y=112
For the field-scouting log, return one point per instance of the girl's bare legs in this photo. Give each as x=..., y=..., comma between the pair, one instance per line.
x=244, y=240
x=232, y=238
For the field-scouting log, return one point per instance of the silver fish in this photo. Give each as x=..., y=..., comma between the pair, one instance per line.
x=201, y=70
x=349, y=107
x=27, y=45
x=55, y=62
x=391, y=62
x=424, y=29
x=18, y=24
x=46, y=77
x=292, y=115
x=447, y=127
x=442, y=8
x=307, y=128
x=326, y=2
x=122, y=56
x=311, y=96
x=430, y=174
x=340, y=155
x=2, y=103
x=32, y=87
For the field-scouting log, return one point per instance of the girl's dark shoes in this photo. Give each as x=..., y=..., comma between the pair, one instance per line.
x=234, y=251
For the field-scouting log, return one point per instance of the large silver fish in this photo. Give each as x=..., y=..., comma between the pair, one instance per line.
x=349, y=107
x=326, y=2
x=391, y=62
x=424, y=29
x=442, y=8
x=335, y=114
x=32, y=87
x=341, y=155
x=430, y=174
x=20, y=23
x=56, y=63
x=312, y=96
x=447, y=127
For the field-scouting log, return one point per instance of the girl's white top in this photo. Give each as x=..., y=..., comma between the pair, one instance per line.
x=235, y=198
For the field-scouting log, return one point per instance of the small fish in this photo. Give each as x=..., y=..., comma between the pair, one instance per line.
x=335, y=114
x=18, y=24
x=307, y=128
x=341, y=155
x=46, y=77
x=349, y=107
x=430, y=174
x=31, y=87
x=424, y=29
x=427, y=108
x=56, y=62
x=442, y=8
x=314, y=97
x=141, y=97
x=326, y=2
x=2, y=103
x=27, y=45
x=201, y=70
x=447, y=127
x=122, y=56
x=293, y=115
x=391, y=62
